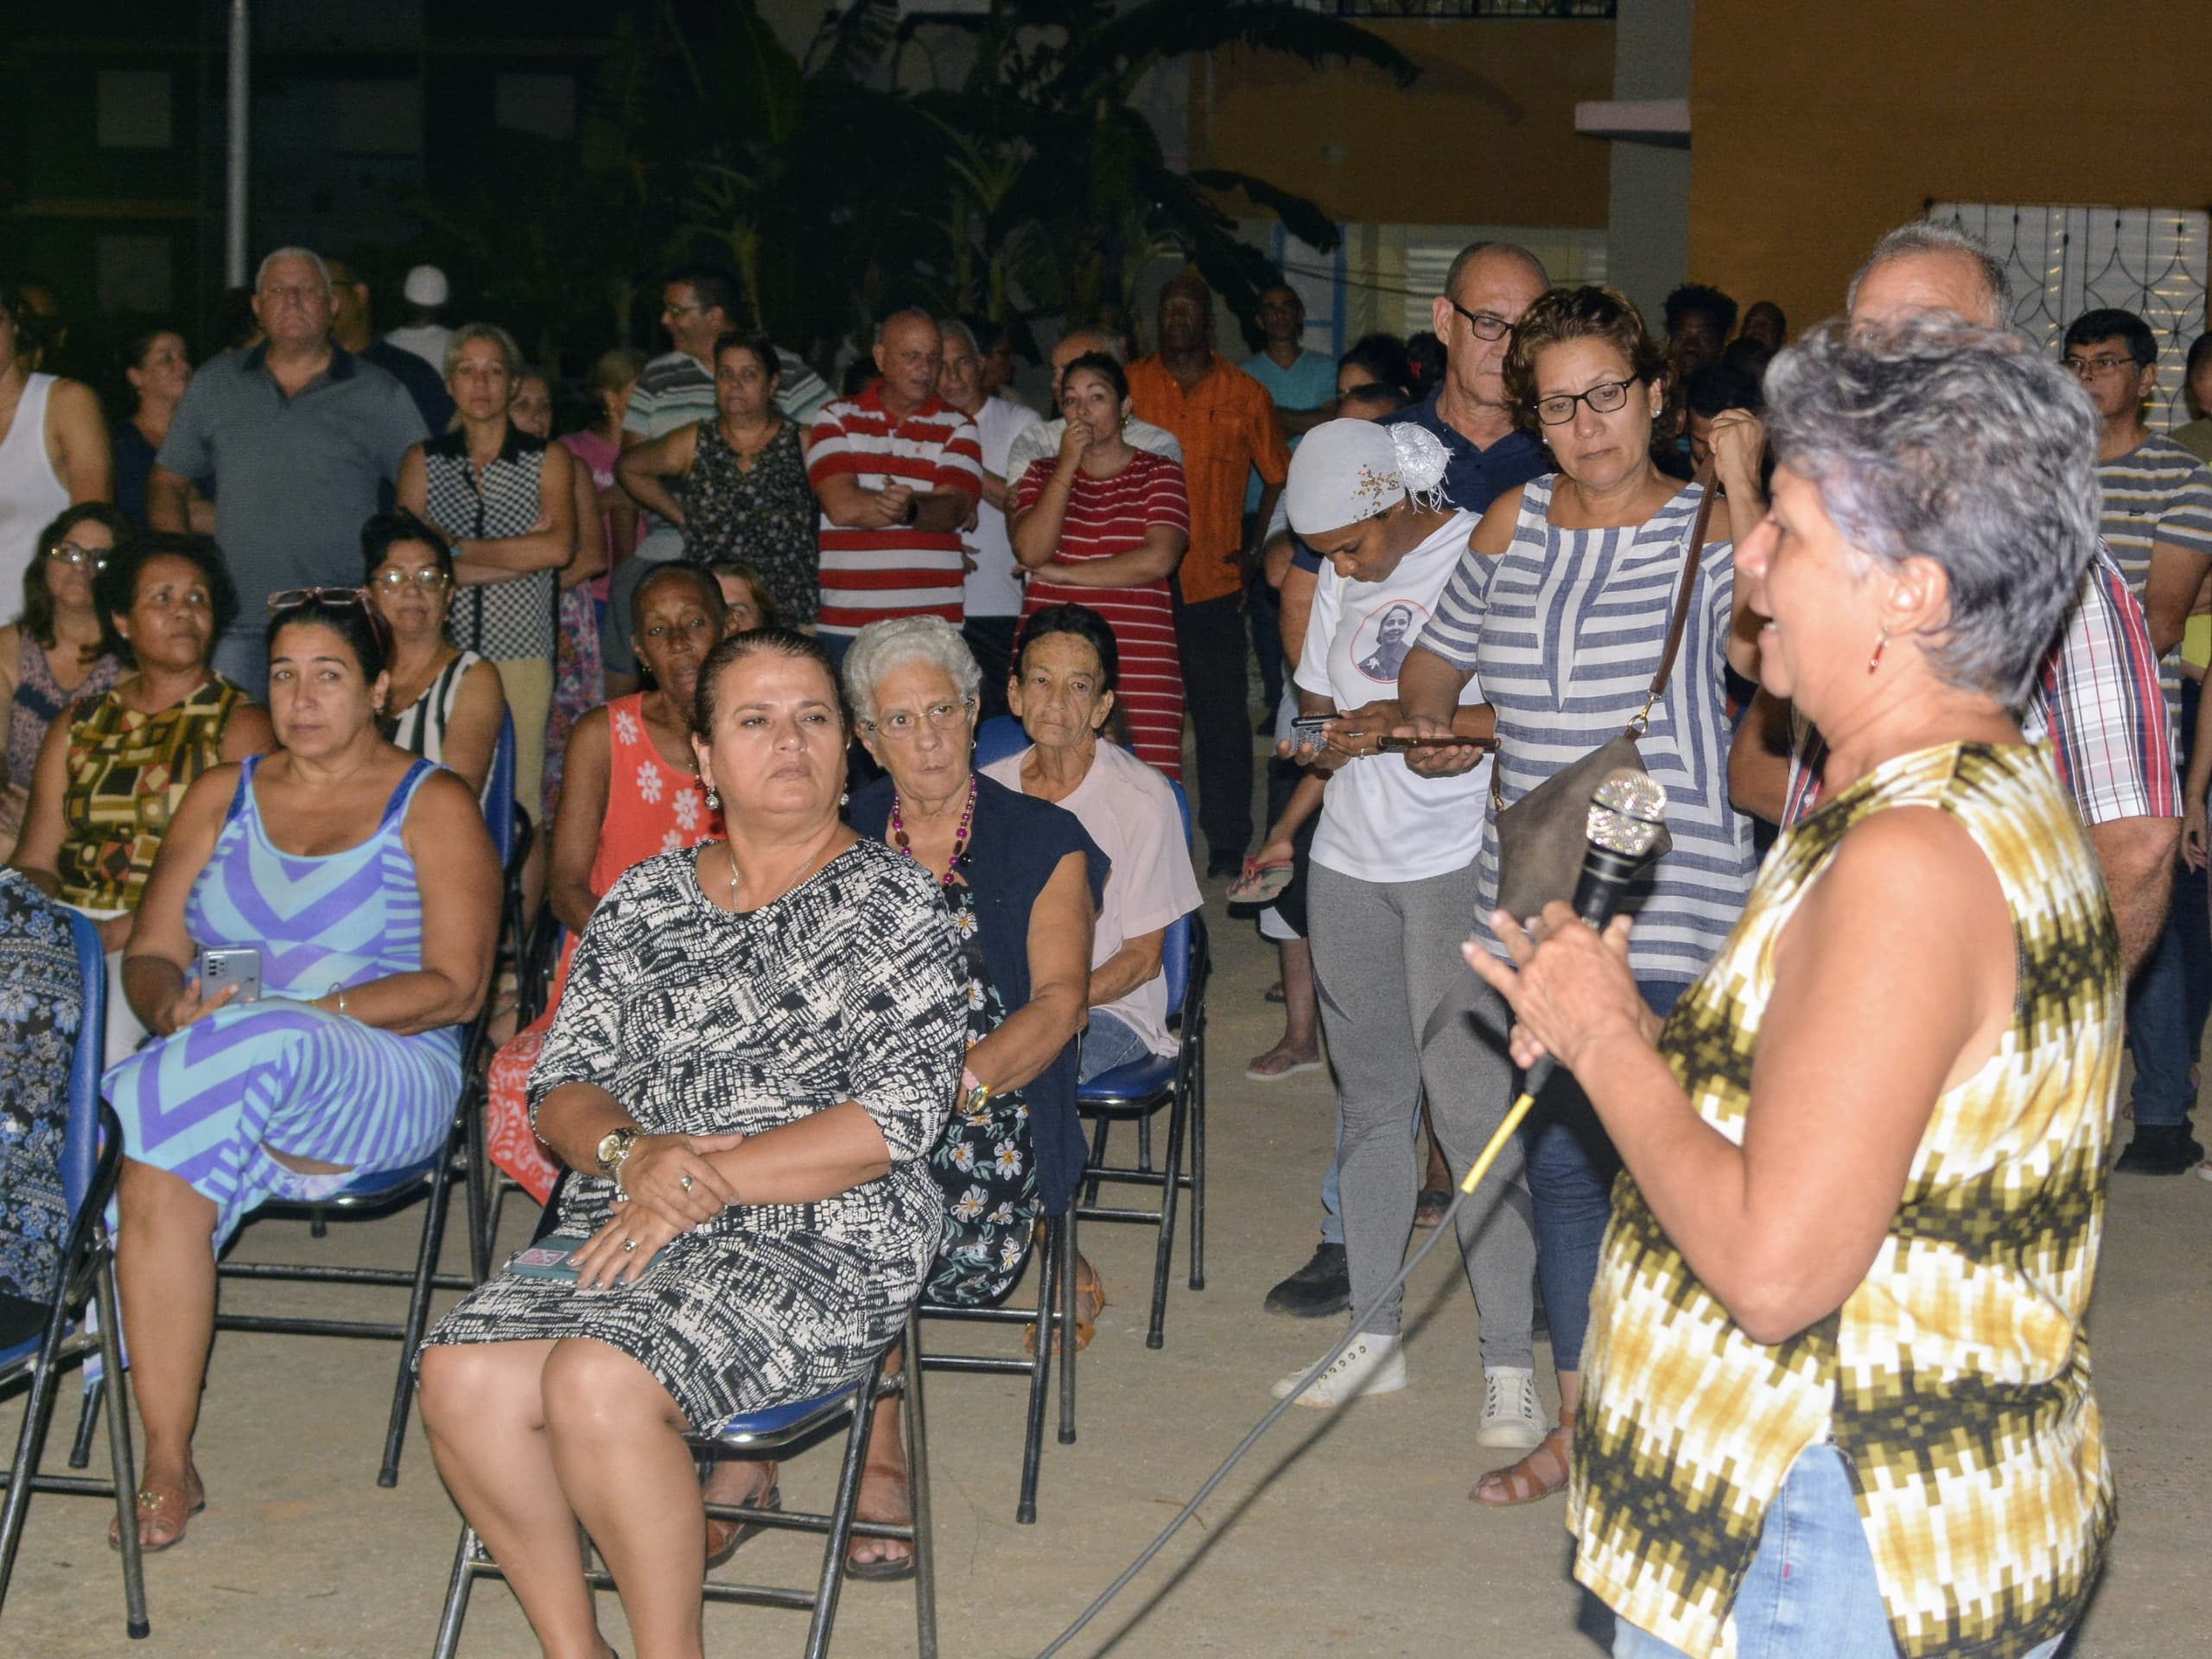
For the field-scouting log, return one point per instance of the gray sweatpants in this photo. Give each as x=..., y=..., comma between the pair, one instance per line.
x=1385, y=954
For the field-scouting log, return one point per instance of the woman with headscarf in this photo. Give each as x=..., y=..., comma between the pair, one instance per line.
x=1389, y=900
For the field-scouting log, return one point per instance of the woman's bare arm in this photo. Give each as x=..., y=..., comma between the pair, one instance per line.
x=1059, y=978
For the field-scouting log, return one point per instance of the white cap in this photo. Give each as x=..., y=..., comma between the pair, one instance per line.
x=426, y=285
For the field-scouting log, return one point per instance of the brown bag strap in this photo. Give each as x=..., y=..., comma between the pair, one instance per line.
x=1681, y=618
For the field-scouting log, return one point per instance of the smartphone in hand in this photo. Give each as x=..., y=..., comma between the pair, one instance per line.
x=238, y=965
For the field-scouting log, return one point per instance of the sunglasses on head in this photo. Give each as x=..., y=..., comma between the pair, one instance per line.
x=292, y=599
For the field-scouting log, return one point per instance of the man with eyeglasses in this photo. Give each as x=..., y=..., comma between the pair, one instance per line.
x=305, y=437
x=2158, y=523
x=1487, y=289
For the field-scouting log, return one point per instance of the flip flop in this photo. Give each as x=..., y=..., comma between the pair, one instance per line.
x=884, y=1569
x=1258, y=883
x=1256, y=1075
x=1089, y=1303
x=726, y=1537
x=155, y=1504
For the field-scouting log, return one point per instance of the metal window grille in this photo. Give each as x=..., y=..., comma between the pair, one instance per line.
x=2063, y=260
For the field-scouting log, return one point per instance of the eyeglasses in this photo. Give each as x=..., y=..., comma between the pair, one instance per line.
x=682, y=310
x=292, y=598
x=71, y=554
x=429, y=578
x=1487, y=325
x=2085, y=368
x=941, y=716
x=1603, y=398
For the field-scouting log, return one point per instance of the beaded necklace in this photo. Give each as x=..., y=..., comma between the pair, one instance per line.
x=899, y=838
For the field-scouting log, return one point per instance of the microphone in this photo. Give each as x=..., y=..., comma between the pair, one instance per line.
x=1626, y=830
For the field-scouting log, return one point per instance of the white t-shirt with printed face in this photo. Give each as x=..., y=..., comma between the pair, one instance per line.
x=1382, y=821
x=1129, y=810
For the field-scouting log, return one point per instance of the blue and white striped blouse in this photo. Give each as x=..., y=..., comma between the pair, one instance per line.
x=1565, y=630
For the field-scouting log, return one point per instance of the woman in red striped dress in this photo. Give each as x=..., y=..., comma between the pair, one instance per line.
x=1105, y=524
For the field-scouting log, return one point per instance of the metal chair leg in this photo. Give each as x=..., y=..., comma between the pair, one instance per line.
x=1067, y=1324
x=918, y=1465
x=122, y=1467
x=1170, y=1190
x=480, y=1175
x=418, y=1314
x=1099, y=1132
x=457, y=1589
x=30, y=1440
x=1049, y=1331
x=842, y=1512
x=1198, y=1165
x=88, y=1418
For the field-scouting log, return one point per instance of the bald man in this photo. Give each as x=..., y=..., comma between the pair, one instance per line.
x=898, y=470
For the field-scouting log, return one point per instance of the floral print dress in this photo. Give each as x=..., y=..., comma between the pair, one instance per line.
x=985, y=1162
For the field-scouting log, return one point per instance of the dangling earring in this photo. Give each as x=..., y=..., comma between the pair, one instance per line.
x=1880, y=644
x=713, y=801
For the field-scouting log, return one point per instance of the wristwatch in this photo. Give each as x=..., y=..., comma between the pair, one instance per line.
x=614, y=1146
x=913, y=509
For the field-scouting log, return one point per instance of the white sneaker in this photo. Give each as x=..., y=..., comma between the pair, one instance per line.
x=1511, y=1415
x=1362, y=1369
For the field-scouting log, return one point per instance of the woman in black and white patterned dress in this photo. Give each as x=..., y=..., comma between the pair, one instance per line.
x=758, y=1046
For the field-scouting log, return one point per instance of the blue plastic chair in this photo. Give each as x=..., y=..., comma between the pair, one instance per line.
x=92, y=1158
x=774, y=1433
x=1140, y=1089
x=997, y=738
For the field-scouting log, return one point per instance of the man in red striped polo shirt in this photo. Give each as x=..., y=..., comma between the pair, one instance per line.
x=897, y=470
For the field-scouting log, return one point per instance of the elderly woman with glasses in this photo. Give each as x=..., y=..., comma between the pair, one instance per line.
x=113, y=774
x=445, y=704
x=55, y=652
x=1561, y=607
x=1839, y=1371
x=362, y=880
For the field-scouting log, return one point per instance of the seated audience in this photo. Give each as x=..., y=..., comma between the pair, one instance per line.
x=444, y=703
x=364, y=879
x=111, y=777
x=39, y=1019
x=55, y=652
x=158, y=368
x=755, y=1191
x=742, y=491
x=1062, y=692
x=1106, y=524
x=633, y=790
x=1021, y=881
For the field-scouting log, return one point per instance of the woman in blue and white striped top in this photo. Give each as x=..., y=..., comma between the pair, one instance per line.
x=1562, y=605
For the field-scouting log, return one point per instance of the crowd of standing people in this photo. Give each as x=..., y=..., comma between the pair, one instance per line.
x=828, y=984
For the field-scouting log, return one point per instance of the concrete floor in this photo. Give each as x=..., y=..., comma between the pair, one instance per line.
x=1343, y=1534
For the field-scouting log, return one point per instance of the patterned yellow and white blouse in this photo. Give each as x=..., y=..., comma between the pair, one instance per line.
x=1956, y=1379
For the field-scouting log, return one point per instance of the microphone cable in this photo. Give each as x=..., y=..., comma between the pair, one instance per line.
x=1473, y=1180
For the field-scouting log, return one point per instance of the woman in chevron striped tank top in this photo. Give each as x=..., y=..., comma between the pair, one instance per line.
x=1836, y=1397
x=372, y=955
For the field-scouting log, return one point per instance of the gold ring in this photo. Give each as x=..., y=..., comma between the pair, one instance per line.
x=629, y=1244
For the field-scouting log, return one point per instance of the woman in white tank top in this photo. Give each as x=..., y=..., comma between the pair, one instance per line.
x=446, y=704
x=54, y=447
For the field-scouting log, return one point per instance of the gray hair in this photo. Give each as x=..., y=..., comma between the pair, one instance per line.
x=1931, y=439
x=1475, y=251
x=469, y=332
x=951, y=329
x=1103, y=341
x=884, y=328
x=321, y=270
x=883, y=646
x=1935, y=236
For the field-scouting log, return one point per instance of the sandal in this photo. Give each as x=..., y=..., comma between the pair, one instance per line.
x=160, y=1508
x=1258, y=883
x=1429, y=1207
x=725, y=1536
x=1536, y=1476
x=1277, y=1064
x=1089, y=1303
x=884, y=1569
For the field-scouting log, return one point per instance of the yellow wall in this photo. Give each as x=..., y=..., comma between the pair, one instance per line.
x=1816, y=127
x=1485, y=137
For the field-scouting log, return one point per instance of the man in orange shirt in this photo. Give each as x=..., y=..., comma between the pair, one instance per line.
x=1225, y=421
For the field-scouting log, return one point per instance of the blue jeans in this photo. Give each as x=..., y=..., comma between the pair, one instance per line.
x=1332, y=1208
x=1572, y=1164
x=1811, y=1589
x=1107, y=1044
x=2172, y=997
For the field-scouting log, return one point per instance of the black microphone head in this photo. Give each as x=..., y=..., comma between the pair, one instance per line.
x=1628, y=813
